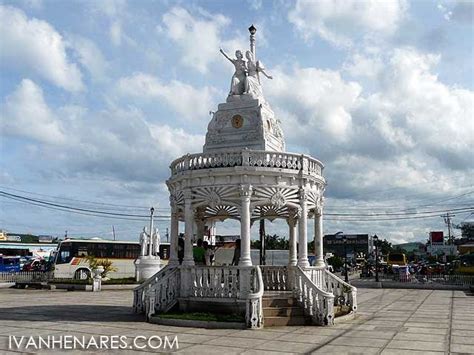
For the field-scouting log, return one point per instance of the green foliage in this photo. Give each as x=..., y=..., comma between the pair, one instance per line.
x=467, y=229
x=272, y=242
x=105, y=263
x=336, y=262
x=385, y=247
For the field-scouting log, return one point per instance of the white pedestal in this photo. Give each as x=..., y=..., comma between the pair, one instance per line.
x=146, y=267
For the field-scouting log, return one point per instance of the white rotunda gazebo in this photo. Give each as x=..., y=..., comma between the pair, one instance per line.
x=245, y=174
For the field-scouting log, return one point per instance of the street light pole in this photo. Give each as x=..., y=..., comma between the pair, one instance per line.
x=346, y=276
x=376, y=242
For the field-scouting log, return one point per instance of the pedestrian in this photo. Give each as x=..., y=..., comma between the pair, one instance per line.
x=236, y=258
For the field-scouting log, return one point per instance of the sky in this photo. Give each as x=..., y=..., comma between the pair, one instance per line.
x=98, y=97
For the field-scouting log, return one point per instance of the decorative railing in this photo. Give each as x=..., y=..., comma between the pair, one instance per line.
x=161, y=292
x=26, y=276
x=214, y=282
x=317, y=275
x=255, y=158
x=318, y=304
x=275, y=278
x=157, y=294
x=344, y=293
x=254, y=305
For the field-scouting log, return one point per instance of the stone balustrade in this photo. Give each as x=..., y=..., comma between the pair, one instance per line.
x=275, y=278
x=344, y=293
x=248, y=158
x=317, y=303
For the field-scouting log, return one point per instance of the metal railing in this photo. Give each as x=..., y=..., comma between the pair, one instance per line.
x=254, y=158
x=458, y=280
x=26, y=276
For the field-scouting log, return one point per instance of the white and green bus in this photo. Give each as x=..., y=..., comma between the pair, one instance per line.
x=70, y=261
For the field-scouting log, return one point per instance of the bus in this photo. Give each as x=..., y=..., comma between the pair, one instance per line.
x=397, y=259
x=70, y=260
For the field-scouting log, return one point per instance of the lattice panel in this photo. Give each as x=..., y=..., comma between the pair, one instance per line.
x=177, y=198
x=214, y=196
x=270, y=212
x=221, y=212
x=275, y=196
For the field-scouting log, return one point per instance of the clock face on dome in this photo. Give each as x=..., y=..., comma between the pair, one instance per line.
x=237, y=121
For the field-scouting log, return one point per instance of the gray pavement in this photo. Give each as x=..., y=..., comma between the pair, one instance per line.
x=389, y=321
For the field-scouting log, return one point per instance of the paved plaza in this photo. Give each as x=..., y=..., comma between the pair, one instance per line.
x=389, y=321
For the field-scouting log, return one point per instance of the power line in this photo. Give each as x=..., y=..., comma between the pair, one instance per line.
x=64, y=207
x=83, y=201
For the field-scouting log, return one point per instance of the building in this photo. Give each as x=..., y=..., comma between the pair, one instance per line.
x=438, y=248
x=352, y=244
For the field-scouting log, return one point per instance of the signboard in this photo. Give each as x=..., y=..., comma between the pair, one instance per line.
x=14, y=238
x=45, y=238
x=437, y=237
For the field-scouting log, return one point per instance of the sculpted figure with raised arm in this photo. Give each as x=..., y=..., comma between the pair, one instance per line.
x=237, y=85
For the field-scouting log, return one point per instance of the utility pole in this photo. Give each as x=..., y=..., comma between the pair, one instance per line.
x=167, y=236
x=447, y=219
x=113, y=231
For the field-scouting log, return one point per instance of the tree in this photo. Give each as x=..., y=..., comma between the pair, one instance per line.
x=467, y=229
x=385, y=247
x=272, y=242
x=336, y=262
x=105, y=263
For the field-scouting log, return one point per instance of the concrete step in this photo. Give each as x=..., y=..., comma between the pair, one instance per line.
x=283, y=321
x=340, y=311
x=282, y=312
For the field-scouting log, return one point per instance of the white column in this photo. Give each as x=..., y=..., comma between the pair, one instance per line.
x=245, y=193
x=293, y=258
x=174, y=235
x=303, y=231
x=188, y=259
x=318, y=236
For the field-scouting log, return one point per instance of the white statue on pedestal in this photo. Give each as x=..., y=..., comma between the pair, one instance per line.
x=148, y=263
x=246, y=78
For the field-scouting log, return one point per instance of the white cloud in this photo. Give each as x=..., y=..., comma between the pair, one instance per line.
x=34, y=46
x=437, y=117
x=407, y=132
x=183, y=98
x=319, y=100
x=460, y=11
x=115, y=11
x=115, y=33
x=338, y=21
x=26, y=114
x=90, y=56
x=198, y=37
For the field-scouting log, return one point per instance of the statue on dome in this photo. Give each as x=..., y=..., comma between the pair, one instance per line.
x=246, y=78
x=237, y=84
x=252, y=82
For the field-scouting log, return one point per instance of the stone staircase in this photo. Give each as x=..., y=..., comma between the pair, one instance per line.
x=281, y=308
